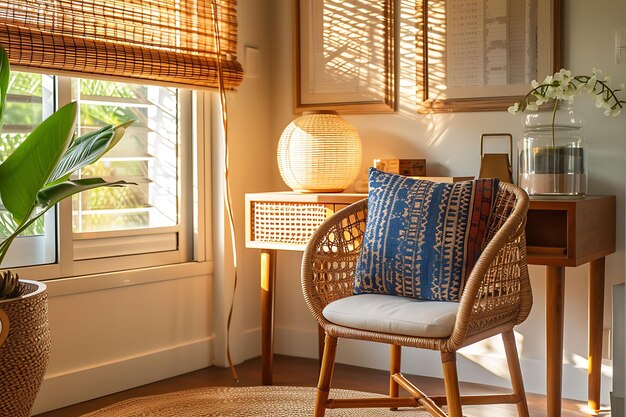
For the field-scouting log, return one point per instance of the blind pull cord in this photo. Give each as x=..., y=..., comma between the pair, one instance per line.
x=227, y=193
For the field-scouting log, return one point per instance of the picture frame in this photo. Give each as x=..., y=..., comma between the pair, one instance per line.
x=345, y=56
x=475, y=58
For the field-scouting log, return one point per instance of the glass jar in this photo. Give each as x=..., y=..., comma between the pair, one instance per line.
x=552, y=161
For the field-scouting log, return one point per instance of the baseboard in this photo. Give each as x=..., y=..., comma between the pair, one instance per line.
x=487, y=369
x=617, y=405
x=249, y=345
x=82, y=384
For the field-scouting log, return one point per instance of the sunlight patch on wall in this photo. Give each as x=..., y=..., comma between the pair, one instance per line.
x=348, y=48
x=409, y=59
x=581, y=362
x=490, y=354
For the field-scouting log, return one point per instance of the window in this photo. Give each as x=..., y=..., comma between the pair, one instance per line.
x=147, y=155
x=147, y=224
x=184, y=44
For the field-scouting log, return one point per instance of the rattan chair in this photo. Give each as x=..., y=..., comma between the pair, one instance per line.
x=496, y=297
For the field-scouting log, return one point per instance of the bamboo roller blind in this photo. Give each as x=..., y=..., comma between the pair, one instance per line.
x=152, y=41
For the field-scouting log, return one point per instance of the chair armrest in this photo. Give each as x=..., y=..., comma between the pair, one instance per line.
x=497, y=292
x=330, y=258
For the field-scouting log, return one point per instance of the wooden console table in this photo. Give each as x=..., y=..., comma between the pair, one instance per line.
x=571, y=232
x=559, y=233
x=283, y=221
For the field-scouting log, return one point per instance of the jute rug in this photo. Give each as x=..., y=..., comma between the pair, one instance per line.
x=242, y=402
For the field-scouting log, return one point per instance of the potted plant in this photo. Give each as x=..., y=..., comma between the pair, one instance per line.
x=552, y=150
x=33, y=179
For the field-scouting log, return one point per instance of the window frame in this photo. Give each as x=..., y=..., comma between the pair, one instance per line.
x=18, y=252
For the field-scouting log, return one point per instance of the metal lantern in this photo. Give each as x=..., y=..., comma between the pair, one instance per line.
x=319, y=152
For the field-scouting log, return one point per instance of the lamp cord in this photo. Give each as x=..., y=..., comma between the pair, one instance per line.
x=227, y=192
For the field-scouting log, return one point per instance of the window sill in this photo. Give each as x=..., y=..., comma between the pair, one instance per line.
x=97, y=282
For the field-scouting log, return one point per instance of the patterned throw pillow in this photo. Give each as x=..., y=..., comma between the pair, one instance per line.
x=422, y=238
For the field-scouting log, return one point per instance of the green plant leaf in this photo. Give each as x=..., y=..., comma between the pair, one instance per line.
x=83, y=151
x=87, y=137
x=5, y=74
x=28, y=168
x=119, y=133
x=50, y=196
x=86, y=150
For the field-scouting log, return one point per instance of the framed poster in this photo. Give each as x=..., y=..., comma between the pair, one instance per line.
x=344, y=55
x=481, y=55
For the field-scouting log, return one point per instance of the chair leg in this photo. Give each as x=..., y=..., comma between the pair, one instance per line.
x=395, y=358
x=451, y=381
x=326, y=375
x=516, y=372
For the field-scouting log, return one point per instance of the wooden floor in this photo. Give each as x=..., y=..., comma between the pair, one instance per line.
x=303, y=372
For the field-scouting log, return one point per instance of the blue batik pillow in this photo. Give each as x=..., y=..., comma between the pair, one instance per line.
x=422, y=238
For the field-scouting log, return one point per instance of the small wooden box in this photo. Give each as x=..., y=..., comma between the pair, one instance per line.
x=408, y=167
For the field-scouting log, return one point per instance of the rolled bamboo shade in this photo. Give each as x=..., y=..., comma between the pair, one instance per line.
x=319, y=152
x=151, y=41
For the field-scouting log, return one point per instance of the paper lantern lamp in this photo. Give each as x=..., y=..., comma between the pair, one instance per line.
x=319, y=152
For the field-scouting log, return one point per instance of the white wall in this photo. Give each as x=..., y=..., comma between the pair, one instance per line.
x=450, y=144
x=250, y=170
x=153, y=326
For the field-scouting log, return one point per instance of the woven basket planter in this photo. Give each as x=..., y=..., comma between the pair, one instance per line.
x=24, y=348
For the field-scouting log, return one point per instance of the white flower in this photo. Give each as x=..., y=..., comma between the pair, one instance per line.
x=551, y=92
x=570, y=89
x=532, y=106
x=561, y=93
x=615, y=111
x=514, y=108
x=590, y=86
x=563, y=76
x=563, y=86
x=548, y=80
x=596, y=72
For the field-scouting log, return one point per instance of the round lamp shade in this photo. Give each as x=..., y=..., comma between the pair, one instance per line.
x=319, y=152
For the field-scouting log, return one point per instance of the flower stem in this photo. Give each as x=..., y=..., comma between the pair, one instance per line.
x=556, y=103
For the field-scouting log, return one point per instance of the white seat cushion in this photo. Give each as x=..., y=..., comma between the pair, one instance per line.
x=394, y=314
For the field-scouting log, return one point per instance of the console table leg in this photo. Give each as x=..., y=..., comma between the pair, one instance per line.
x=555, y=294
x=596, y=327
x=268, y=278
